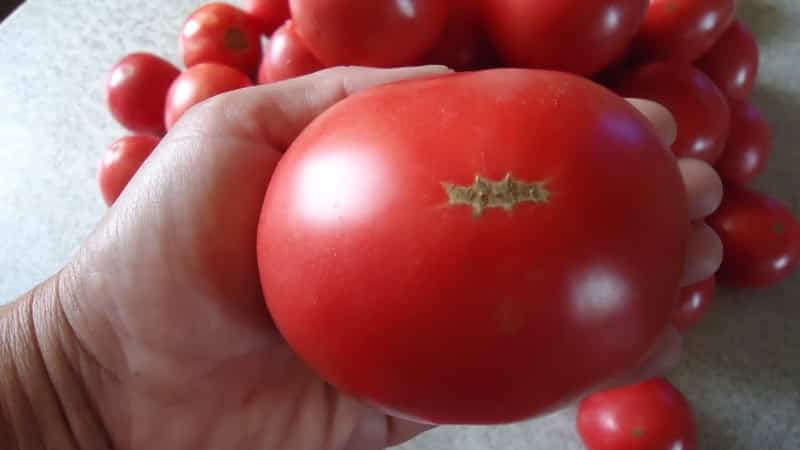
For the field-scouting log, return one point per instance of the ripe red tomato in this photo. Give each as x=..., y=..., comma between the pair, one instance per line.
x=120, y=163
x=572, y=35
x=369, y=33
x=760, y=238
x=430, y=268
x=464, y=43
x=270, y=13
x=199, y=83
x=699, y=107
x=733, y=62
x=286, y=56
x=693, y=304
x=652, y=415
x=749, y=144
x=222, y=33
x=682, y=30
x=137, y=90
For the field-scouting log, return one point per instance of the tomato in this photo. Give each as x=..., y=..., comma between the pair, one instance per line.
x=199, y=83
x=733, y=62
x=682, y=30
x=120, y=163
x=571, y=35
x=271, y=14
x=749, y=145
x=286, y=56
x=699, y=107
x=693, y=303
x=222, y=33
x=425, y=249
x=464, y=43
x=652, y=415
x=369, y=33
x=137, y=90
x=760, y=238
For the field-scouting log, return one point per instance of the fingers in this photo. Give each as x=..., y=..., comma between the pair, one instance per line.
x=704, y=254
x=703, y=187
x=660, y=117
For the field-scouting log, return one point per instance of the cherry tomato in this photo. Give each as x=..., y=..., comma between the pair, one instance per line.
x=652, y=415
x=425, y=249
x=270, y=13
x=137, y=90
x=464, y=43
x=222, y=33
x=693, y=304
x=760, y=238
x=120, y=163
x=369, y=33
x=571, y=35
x=286, y=56
x=749, y=144
x=733, y=62
x=682, y=30
x=699, y=107
x=199, y=83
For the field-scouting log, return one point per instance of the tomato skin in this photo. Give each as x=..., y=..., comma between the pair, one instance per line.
x=121, y=161
x=199, y=83
x=464, y=43
x=760, y=238
x=286, y=56
x=749, y=144
x=224, y=34
x=646, y=416
x=733, y=62
x=570, y=35
x=699, y=107
x=693, y=303
x=132, y=76
x=271, y=14
x=430, y=310
x=682, y=30
x=379, y=33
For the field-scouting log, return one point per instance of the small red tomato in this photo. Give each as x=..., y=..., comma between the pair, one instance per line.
x=700, y=109
x=370, y=33
x=682, y=30
x=464, y=43
x=120, y=163
x=733, y=62
x=137, y=90
x=749, y=144
x=270, y=13
x=199, y=83
x=571, y=35
x=222, y=33
x=693, y=304
x=652, y=415
x=286, y=56
x=760, y=238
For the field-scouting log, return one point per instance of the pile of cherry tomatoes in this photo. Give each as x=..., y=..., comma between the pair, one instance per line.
x=692, y=56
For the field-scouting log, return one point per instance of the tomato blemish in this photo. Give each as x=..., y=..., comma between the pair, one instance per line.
x=485, y=194
x=236, y=39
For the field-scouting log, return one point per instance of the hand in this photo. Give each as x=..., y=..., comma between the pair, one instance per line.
x=160, y=321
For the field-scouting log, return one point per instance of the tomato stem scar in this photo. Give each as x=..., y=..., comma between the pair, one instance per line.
x=485, y=194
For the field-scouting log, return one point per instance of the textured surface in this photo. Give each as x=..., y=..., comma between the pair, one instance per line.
x=742, y=368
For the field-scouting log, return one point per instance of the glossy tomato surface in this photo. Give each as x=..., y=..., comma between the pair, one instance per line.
x=199, y=83
x=693, y=303
x=464, y=43
x=286, y=56
x=426, y=245
x=733, y=62
x=578, y=36
x=682, y=30
x=760, y=238
x=120, y=163
x=369, y=33
x=652, y=415
x=699, y=107
x=137, y=90
x=270, y=13
x=224, y=34
x=749, y=144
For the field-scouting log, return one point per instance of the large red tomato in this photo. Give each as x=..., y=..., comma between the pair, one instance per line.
x=693, y=303
x=733, y=62
x=699, y=107
x=369, y=33
x=749, y=144
x=682, y=30
x=120, y=163
x=573, y=35
x=426, y=248
x=760, y=238
x=270, y=13
x=652, y=415
x=286, y=56
x=464, y=43
x=137, y=90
